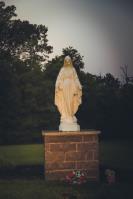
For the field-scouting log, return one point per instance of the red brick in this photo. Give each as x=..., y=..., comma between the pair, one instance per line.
x=90, y=138
x=87, y=165
x=95, y=155
x=47, y=147
x=75, y=156
x=63, y=147
x=62, y=138
x=60, y=165
x=67, y=152
x=86, y=146
x=89, y=155
x=54, y=156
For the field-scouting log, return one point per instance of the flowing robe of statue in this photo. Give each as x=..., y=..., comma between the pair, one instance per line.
x=68, y=92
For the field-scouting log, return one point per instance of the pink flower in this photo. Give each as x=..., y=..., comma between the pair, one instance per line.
x=110, y=174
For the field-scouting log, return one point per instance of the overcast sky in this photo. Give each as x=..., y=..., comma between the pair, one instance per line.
x=101, y=30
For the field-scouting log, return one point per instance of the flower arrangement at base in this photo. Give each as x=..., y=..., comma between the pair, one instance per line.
x=110, y=176
x=76, y=177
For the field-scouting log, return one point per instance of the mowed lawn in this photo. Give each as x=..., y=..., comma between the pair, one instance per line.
x=16, y=155
x=113, y=154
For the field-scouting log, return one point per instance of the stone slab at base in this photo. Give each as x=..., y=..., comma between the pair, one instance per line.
x=69, y=127
x=69, y=151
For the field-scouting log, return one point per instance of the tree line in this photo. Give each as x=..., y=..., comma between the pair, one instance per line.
x=27, y=83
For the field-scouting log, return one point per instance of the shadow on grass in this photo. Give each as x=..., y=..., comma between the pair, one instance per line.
x=25, y=171
x=37, y=171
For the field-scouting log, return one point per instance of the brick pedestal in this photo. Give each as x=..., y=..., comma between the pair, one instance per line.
x=68, y=151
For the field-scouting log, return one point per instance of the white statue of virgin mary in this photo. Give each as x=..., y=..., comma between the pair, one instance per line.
x=68, y=92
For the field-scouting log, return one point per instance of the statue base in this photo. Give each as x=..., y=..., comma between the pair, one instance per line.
x=64, y=126
x=71, y=151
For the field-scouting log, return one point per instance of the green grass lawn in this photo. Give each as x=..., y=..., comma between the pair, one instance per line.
x=113, y=154
x=15, y=155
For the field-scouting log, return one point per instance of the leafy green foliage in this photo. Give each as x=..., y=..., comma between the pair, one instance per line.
x=20, y=38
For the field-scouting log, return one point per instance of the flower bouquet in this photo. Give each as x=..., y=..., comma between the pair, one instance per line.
x=110, y=176
x=76, y=177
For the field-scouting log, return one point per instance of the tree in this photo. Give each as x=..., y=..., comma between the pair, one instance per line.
x=127, y=79
x=20, y=38
x=23, y=47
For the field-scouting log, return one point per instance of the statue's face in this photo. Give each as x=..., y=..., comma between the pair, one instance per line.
x=67, y=61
